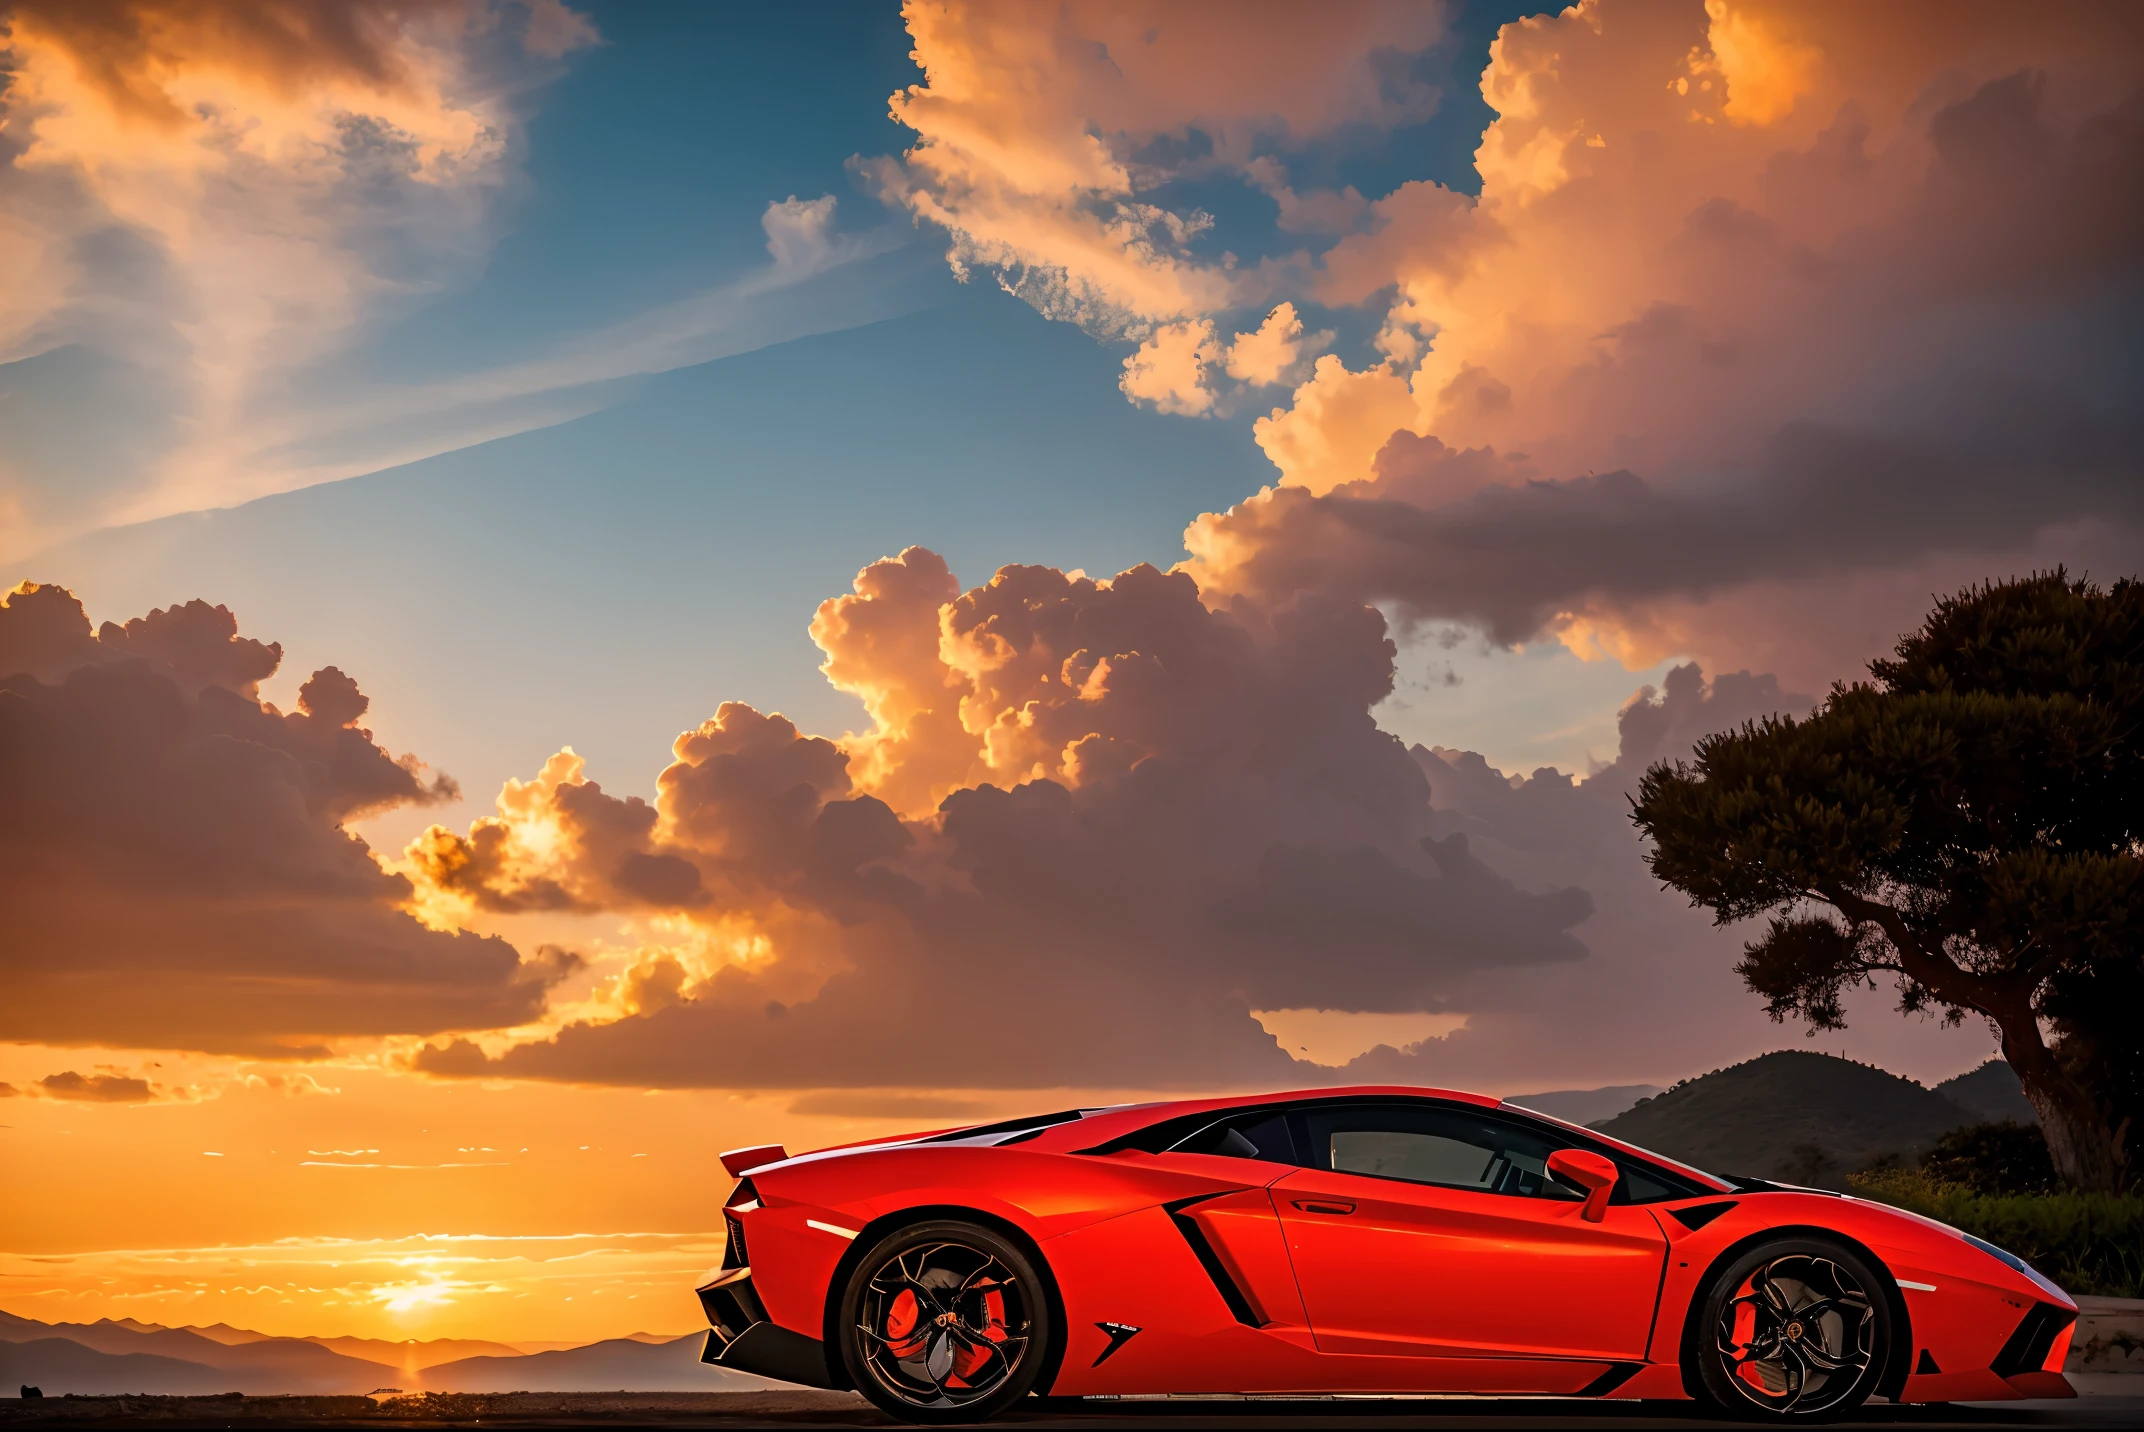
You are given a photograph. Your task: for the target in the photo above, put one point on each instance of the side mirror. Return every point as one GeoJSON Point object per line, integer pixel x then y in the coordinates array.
{"type": "Point", "coordinates": [1595, 1173]}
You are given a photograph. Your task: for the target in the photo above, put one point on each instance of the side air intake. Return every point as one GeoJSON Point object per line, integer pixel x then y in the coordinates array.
{"type": "Point", "coordinates": [1702, 1214]}
{"type": "Point", "coordinates": [1239, 1304]}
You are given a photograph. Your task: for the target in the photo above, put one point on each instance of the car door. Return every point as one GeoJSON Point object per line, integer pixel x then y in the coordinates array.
{"type": "Point", "coordinates": [1435, 1229]}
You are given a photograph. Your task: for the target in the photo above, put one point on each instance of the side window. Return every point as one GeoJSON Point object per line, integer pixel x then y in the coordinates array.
{"type": "Point", "coordinates": [1260, 1135]}
{"type": "Point", "coordinates": [1427, 1144]}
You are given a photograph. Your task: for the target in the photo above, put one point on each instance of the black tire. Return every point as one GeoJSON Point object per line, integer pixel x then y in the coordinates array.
{"type": "Point", "coordinates": [1794, 1330]}
{"type": "Point", "coordinates": [944, 1322]}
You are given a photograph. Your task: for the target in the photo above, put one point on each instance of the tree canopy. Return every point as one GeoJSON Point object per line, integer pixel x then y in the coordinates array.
{"type": "Point", "coordinates": [1966, 822]}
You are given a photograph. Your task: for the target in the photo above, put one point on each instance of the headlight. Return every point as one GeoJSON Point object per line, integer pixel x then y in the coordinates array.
{"type": "Point", "coordinates": [2010, 1260]}
{"type": "Point", "coordinates": [2000, 1255]}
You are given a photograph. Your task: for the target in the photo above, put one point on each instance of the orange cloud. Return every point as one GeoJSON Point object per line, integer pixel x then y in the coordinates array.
{"type": "Point", "coordinates": [1040, 130]}
{"type": "Point", "coordinates": [1724, 257]}
{"type": "Point", "coordinates": [1169, 370]}
{"type": "Point", "coordinates": [1267, 353]}
{"type": "Point", "coordinates": [1707, 232]}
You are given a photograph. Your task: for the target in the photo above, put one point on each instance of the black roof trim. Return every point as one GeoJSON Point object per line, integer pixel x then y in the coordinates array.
{"type": "Point", "coordinates": [1035, 1122]}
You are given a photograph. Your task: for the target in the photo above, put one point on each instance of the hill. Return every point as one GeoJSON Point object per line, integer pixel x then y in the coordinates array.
{"type": "Point", "coordinates": [619, 1365]}
{"type": "Point", "coordinates": [521, 1345]}
{"type": "Point", "coordinates": [260, 1365]}
{"type": "Point", "coordinates": [409, 1358]}
{"type": "Point", "coordinates": [1586, 1106]}
{"type": "Point", "coordinates": [1794, 1115]}
{"type": "Point", "coordinates": [1992, 1092]}
{"type": "Point", "coordinates": [126, 1356]}
{"type": "Point", "coordinates": [58, 1366]}
{"type": "Point", "coordinates": [216, 1332]}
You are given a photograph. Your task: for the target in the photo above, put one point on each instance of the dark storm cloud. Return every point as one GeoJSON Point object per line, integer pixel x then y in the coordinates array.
{"type": "Point", "coordinates": [1826, 499]}
{"type": "Point", "coordinates": [95, 1088]}
{"type": "Point", "coordinates": [173, 862]}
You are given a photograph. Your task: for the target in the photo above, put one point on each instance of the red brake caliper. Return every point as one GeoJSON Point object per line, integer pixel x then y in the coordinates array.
{"type": "Point", "coordinates": [903, 1335]}
{"type": "Point", "coordinates": [1745, 1334]}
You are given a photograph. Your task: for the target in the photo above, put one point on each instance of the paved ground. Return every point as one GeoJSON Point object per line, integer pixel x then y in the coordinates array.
{"type": "Point", "coordinates": [832, 1409]}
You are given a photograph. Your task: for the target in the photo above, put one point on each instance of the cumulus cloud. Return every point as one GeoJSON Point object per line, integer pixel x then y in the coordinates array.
{"type": "Point", "coordinates": [1169, 370]}
{"type": "Point", "coordinates": [1180, 368]}
{"type": "Point", "coordinates": [174, 863]}
{"type": "Point", "coordinates": [1270, 351]}
{"type": "Point", "coordinates": [1046, 133]}
{"type": "Point", "coordinates": [1686, 368]}
{"type": "Point", "coordinates": [219, 191]}
{"type": "Point", "coordinates": [1093, 825]}
{"type": "Point", "coordinates": [800, 233]}
{"type": "Point", "coordinates": [1339, 421]}
{"type": "Point", "coordinates": [1090, 827]}
{"type": "Point", "coordinates": [1752, 292]}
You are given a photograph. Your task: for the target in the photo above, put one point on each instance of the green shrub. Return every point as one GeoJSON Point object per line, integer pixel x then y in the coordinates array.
{"type": "Point", "coordinates": [1993, 1158]}
{"type": "Point", "coordinates": [2086, 1242]}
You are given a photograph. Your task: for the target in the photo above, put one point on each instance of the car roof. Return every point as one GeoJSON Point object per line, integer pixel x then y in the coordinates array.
{"type": "Point", "coordinates": [1089, 1128]}
{"type": "Point", "coordinates": [1101, 1125]}
{"type": "Point", "coordinates": [1079, 1130]}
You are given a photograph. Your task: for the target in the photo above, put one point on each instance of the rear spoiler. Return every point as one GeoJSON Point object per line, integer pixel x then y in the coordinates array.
{"type": "Point", "coordinates": [739, 1162]}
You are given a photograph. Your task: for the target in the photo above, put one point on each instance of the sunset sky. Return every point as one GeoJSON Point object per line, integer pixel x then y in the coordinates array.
{"type": "Point", "coordinates": [596, 591]}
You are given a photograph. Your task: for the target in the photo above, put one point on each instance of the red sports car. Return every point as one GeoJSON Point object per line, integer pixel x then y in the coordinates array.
{"type": "Point", "coordinates": [1372, 1240]}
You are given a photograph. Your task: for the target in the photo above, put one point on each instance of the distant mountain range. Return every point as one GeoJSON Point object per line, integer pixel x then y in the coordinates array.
{"type": "Point", "coordinates": [410, 1358]}
{"type": "Point", "coordinates": [1586, 1106]}
{"type": "Point", "coordinates": [619, 1365]}
{"type": "Point", "coordinates": [123, 1355]}
{"type": "Point", "coordinates": [117, 1356]}
{"type": "Point", "coordinates": [1811, 1118]}
{"type": "Point", "coordinates": [1992, 1092]}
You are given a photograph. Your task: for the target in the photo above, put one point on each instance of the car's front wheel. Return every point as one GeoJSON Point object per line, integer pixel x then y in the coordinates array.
{"type": "Point", "coordinates": [1797, 1329]}
{"type": "Point", "coordinates": [944, 1322]}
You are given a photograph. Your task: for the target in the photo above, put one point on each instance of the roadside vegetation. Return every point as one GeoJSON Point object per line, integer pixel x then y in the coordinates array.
{"type": "Point", "coordinates": [1995, 1181]}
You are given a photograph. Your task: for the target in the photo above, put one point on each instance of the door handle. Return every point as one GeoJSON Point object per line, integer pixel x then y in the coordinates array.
{"type": "Point", "coordinates": [1324, 1205]}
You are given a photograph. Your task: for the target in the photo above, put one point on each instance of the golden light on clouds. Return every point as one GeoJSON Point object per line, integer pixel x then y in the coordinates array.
{"type": "Point", "coordinates": [1764, 71]}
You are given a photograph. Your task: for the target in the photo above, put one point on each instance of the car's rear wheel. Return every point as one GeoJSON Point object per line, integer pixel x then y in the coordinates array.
{"type": "Point", "coordinates": [944, 1322]}
{"type": "Point", "coordinates": [1797, 1329]}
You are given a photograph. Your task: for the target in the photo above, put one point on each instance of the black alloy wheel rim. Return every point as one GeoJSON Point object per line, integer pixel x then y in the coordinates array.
{"type": "Point", "coordinates": [1798, 1335]}
{"type": "Point", "coordinates": [943, 1324]}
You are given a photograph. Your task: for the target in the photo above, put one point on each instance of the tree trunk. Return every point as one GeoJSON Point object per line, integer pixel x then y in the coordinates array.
{"type": "Point", "coordinates": [2079, 1142]}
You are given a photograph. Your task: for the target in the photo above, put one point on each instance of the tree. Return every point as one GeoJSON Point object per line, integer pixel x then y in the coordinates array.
{"type": "Point", "coordinates": [1967, 822]}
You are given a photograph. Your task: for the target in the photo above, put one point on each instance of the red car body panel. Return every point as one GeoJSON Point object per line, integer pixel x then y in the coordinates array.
{"type": "Point", "coordinates": [1244, 1275]}
{"type": "Point", "coordinates": [1415, 1269]}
